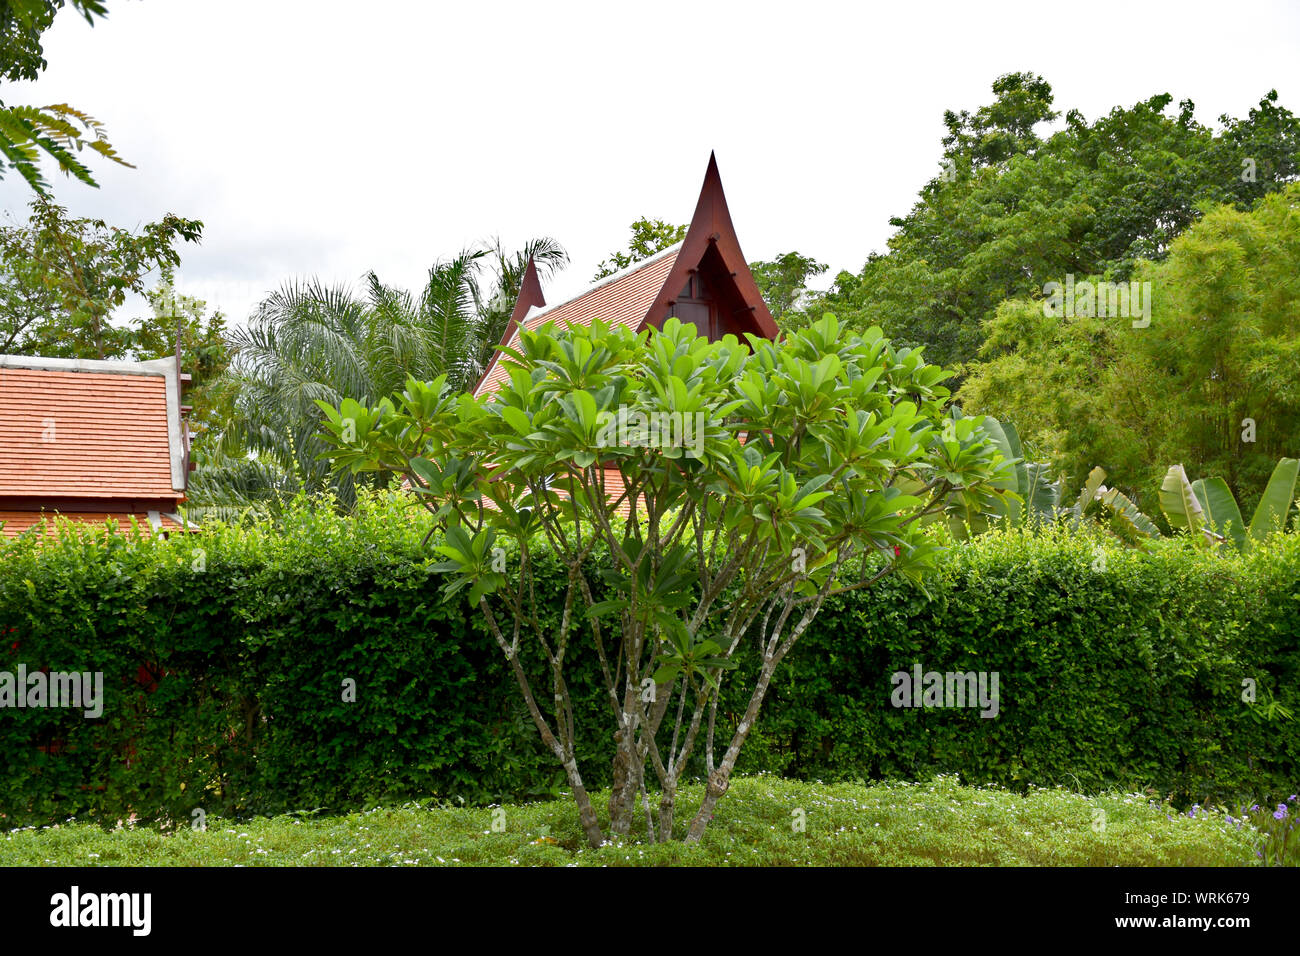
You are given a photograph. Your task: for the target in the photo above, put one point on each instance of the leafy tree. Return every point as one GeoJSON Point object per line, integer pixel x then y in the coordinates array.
{"type": "Point", "coordinates": [784, 282]}
{"type": "Point", "coordinates": [789, 490]}
{"type": "Point", "coordinates": [306, 342]}
{"type": "Point", "coordinates": [23, 22]}
{"type": "Point", "coordinates": [56, 130]}
{"type": "Point", "coordinates": [649, 236]}
{"type": "Point", "coordinates": [61, 279]}
{"type": "Point", "coordinates": [1005, 128]}
{"type": "Point", "coordinates": [1210, 382]}
{"type": "Point", "coordinates": [1010, 210]}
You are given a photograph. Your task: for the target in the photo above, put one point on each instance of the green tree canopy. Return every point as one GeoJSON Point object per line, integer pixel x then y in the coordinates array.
{"type": "Point", "coordinates": [1210, 383]}
{"type": "Point", "coordinates": [205, 352]}
{"type": "Point", "coordinates": [59, 131]}
{"type": "Point", "coordinates": [648, 237]}
{"type": "Point", "coordinates": [1010, 210]}
{"type": "Point", "coordinates": [62, 278]}
{"type": "Point", "coordinates": [783, 281]}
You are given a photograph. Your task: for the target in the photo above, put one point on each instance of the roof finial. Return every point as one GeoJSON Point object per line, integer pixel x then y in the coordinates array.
{"type": "Point", "coordinates": [530, 294]}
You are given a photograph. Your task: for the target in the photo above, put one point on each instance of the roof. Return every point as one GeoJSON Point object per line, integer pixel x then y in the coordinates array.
{"type": "Point", "coordinates": [623, 299]}
{"type": "Point", "coordinates": [77, 428]}
{"type": "Point", "coordinates": [644, 294]}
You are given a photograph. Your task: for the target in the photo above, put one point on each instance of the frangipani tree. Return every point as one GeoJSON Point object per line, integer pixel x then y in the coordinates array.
{"type": "Point", "coordinates": [705, 497]}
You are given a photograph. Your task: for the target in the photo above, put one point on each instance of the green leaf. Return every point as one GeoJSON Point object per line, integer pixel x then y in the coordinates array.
{"type": "Point", "coordinates": [1089, 492]}
{"type": "Point", "coordinates": [666, 673]}
{"type": "Point", "coordinates": [1221, 509]}
{"type": "Point", "coordinates": [1279, 495]}
{"type": "Point", "coordinates": [426, 471]}
{"type": "Point", "coordinates": [586, 406]}
{"type": "Point", "coordinates": [517, 420]}
{"type": "Point", "coordinates": [1179, 502]}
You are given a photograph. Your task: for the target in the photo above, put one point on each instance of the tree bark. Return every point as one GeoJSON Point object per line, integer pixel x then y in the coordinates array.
{"type": "Point", "coordinates": [586, 812]}
{"type": "Point", "coordinates": [720, 779]}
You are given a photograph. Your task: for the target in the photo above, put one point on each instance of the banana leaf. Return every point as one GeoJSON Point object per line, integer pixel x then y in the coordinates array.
{"type": "Point", "coordinates": [1271, 514]}
{"type": "Point", "coordinates": [1181, 506]}
{"type": "Point", "coordinates": [1221, 510]}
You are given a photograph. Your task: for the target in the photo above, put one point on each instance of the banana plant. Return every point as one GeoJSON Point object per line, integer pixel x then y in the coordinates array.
{"type": "Point", "coordinates": [1030, 499]}
{"type": "Point", "coordinates": [1125, 514]}
{"type": "Point", "coordinates": [1207, 510]}
{"type": "Point", "coordinates": [1035, 497]}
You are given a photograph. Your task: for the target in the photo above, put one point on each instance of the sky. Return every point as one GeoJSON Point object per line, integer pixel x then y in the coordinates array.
{"type": "Point", "coordinates": [323, 140]}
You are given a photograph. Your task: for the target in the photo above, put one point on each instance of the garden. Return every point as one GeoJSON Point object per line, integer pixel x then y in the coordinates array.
{"type": "Point", "coordinates": [984, 554]}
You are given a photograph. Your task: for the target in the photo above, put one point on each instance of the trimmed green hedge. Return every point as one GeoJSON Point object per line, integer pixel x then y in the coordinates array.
{"type": "Point", "coordinates": [225, 657]}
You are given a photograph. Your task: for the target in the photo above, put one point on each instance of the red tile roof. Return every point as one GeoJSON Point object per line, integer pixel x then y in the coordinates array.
{"type": "Point", "coordinates": [622, 299]}
{"type": "Point", "coordinates": [84, 434]}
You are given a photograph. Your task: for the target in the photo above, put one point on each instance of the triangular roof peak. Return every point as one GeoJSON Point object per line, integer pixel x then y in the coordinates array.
{"type": "Point", "coordinates": [711, 228]}
{"type": "Point", "coordinates": [704, 279]}
{"type": "Point", "coordinates": [530, 296]}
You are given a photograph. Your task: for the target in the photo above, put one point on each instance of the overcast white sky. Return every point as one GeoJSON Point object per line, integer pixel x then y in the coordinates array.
{"type": "Point", "coordinates": [328, 138]}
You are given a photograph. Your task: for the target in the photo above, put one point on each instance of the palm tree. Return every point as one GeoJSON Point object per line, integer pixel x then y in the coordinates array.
{"type": "Point", "coordinates": [310, 341]}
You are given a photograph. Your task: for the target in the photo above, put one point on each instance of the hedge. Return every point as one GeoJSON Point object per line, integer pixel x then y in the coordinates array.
{"type": "Point", "coordinates": [225, 657]}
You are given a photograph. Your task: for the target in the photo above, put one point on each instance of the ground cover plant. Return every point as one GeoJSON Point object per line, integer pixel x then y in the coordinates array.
{"type": "Point", "coordinates": [768, 821]}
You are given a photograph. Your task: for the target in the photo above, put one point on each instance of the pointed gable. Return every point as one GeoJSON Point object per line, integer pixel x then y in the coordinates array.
{"type": "Point", "coordinates": [530, 297]}
{"type": "Point", "coordinates": [704, 280]}
{"type": "Point", "coordinates": [710, 283]}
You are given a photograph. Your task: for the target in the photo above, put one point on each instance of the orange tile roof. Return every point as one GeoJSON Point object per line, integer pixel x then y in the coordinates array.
{"type": "Point", "coordinates": [622, 299]}
{"type": "Point", "coordinates": [16, 522]}
{"type": "Point", "coordinates": [84, 434]}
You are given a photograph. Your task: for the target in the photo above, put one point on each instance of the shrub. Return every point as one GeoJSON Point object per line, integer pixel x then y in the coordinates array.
{"type": "Point", "coordinates": [224, 656]}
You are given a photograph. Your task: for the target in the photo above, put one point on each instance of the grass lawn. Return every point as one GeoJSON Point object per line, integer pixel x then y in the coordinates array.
{"type": "Point", "coordinates": [937, 823]}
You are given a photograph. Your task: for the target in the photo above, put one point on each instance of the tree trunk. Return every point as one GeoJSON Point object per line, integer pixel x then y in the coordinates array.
{"type": "Point", "coordinates": [586, 812]}
{"type": "Point", "coordinates": [626, 785]}
{"type": "Point", "coordinates": [667, 806]}
{"type": "Point", "coordinates": [720, 779]}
